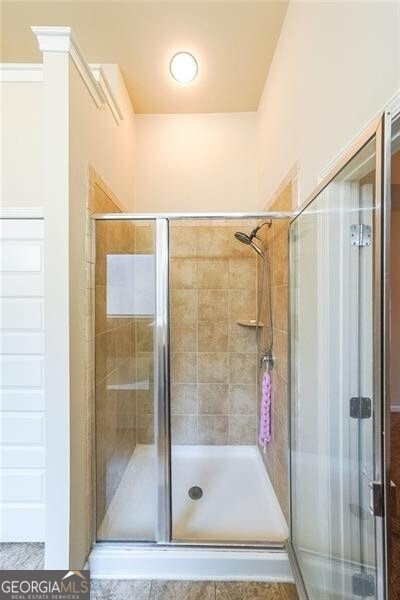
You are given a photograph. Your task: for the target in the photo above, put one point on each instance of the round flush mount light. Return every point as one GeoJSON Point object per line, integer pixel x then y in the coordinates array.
{"type": "Point", "coordinates": [183, 67]}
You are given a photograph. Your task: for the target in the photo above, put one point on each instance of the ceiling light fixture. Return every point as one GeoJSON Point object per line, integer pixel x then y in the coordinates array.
{"type": "Point", "coordinates": [183, 67]}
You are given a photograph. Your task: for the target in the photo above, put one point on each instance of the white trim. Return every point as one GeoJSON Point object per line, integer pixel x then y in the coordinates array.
{"type": "Point", "coordinates": [60, 39]}
{"type": "Point", "coordinates": [21, 73]}
{"type": "Point", "coordinates": [20, 212]}
{"type": "Point", "coordinates": [103, 82]}
{"type": "Point", "coordinates": [395, 408]}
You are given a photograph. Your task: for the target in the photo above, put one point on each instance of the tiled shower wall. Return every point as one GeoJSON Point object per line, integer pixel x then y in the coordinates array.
{"type": "Point", "coordinates": [100, 199]}
{"type": "Point", "coordinates": [124, 357]}
{"type": "Point", "coordinates": [275, 239]}
{"type": "Point", "coordinates": [213, 359]}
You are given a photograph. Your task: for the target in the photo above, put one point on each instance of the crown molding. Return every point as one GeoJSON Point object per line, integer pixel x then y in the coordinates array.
{"type": "Point", "coordinates": [60, 39]}
{"type": "Point", "coordinates": [21, 73]}
{"type": "Point", "coordinates": [108, 94]}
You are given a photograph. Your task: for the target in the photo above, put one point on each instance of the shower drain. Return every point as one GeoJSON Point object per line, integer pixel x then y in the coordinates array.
{"type": "Point", "coordinates": [195, 492]}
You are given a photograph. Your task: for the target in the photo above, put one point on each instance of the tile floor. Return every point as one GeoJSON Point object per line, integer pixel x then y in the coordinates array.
{"type": "Point", "coordinates": [30, 556]}
{"type": "Point", "coordinates": [190, 590]}
{"type": "Point", "coordinates": [21, 556]}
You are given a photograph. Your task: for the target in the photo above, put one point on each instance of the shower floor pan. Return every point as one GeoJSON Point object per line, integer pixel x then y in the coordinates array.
{"type": "Point", "coordinates": [237, 505]}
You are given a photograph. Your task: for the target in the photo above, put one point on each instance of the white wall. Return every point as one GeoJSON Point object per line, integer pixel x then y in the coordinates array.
{"type": "Point", "coordinates": [21, 143]}
{"type": "Point", "coordinates": [197, 162]}
{"type": "Point", "coordinates": [335, 66]}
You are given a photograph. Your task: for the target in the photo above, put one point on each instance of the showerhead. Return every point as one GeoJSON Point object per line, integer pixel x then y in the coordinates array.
{"type": "Point", "coordinates": [243, 237]}
{"type": "Point", "coordinates": [248, 240]}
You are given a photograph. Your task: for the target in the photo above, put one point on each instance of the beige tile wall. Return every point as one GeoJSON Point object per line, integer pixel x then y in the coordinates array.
{"type": "Point", "coordinates": [144, 244]}
{"type": "Point", "coordinates": [115, 344]}
{"type": "Point", "coordinates": [276, 240]}
{"type": "Point", "coordinates": [124, 355]}
{"type": "Point", "coordinates": [100, 199]}
{"type": "Point", "coordinates": [123, 351]}
{"type": "Point", "coordinates": [213, 359]}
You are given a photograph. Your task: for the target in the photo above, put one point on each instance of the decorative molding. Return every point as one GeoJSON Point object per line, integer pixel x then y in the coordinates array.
{"type": "Point", "coordinates": [395, 408]}
{"type": "Point", "coordinates": [21, 73]}
{"type": "Point", "coordinates": [60, 39]}
{"type": "Point", "coordinates": [21, 212]}
{"type": "Point", "coordinates": [53, 39]}
{"type": "Point", "coordinates": [108, 94]}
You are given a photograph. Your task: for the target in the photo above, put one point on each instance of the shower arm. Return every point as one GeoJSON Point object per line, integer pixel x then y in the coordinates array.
{"type": "Point", "coordinates": [253, 234]}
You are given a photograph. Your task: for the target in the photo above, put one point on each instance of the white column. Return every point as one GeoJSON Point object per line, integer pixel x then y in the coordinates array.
{"type": "Point", "coordinates": [55, 46]}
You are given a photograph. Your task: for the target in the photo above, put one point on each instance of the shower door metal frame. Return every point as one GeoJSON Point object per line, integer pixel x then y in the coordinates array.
{"type": "Point", "coordinates": [391, 115]}
{"type": "Point", "coordinates": [380, 129]}
{"type": "Point", "coordinates": [162, 382]}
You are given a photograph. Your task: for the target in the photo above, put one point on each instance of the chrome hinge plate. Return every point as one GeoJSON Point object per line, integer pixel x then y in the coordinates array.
{"type": "Point", "coordinates": [360, 235]}
{"type": "Point", "coordinates": [377, 501]}
{"type": "Point", "coordinates": [363, 585]}
{"type": "Point", "coordinates": [360, 408]}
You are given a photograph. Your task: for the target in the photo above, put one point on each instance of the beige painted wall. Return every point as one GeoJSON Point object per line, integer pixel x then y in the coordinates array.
{"type": "Point", "coordinates": [21, 144]}
{"type": "Point", "coordinates": [198, 162]}
{"type": "Point", "coordinates": [335, 67]}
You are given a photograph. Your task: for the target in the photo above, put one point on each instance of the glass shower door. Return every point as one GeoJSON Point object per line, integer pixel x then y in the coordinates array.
{"type": "Point", "coordinates": [130, 332]}
{"type": "Point", "coordinates": [336, 522]}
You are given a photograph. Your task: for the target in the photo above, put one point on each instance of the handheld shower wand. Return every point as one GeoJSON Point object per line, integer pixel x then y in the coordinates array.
{"type": "Point", "coordinates": [248, 239]}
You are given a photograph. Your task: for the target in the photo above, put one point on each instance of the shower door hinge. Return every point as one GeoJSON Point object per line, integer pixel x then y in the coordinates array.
{"type": "Point", "coordinates": [363, 585]}
{"type": "Point", "coordinates": [360, 408]}
{"type": "Point", "coordinates": [360, 235]}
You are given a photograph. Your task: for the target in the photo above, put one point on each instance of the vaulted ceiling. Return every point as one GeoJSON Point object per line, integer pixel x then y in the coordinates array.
{"type": "Point", "coordinates": [233, 41]}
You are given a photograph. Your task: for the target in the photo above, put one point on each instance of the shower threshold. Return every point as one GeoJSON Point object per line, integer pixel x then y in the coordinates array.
{"type": "Point", "coordinates": [135, 561]}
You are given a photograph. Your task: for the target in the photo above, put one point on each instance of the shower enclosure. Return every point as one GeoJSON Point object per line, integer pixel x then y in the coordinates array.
{"type": "Point", "coordinates": [177, 382]}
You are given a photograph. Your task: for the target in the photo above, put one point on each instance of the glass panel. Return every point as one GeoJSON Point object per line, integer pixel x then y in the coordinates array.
{"type": "Point", "coordinates": [126, 468]}
{"type": "Point", "coordinates": [333, 530]}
